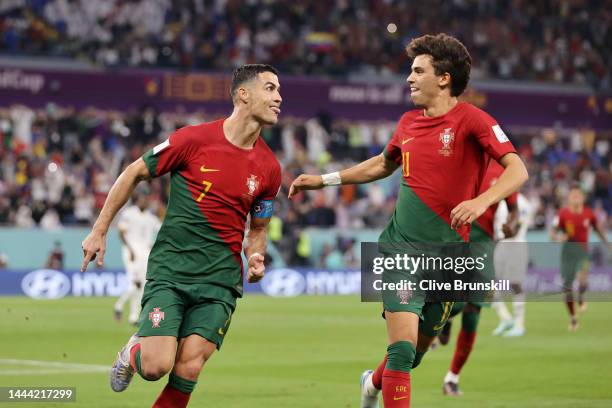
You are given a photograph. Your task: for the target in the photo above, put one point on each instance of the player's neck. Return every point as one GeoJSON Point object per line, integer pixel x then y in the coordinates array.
{"type": "Point", "coordinates": [440, 106]}
{"type": "Point", "coordinates": [576, 209]}
{"type": "Point", "coordinates": [241, 130]}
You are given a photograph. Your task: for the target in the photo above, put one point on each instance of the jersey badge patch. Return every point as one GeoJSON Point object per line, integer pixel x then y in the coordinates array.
{"type": "Point", "coordinates": [447, 138]}
{"type": "Point", "coordinates": [156, 316]}
{"type": "Point", "coordinates": [252, 183]}
{"type": "Point", "coordinates": [404, 296]}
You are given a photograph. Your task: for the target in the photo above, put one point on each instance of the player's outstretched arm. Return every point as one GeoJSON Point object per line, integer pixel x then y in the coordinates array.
{"type": "Point", "coordinates": [95, 243]}
{"type": "Point", "coordinates": [373, 169]}
{"type": "Point", "coordinates": [257, 239]}
{"type": "Point", "coordinates": [514, 176]}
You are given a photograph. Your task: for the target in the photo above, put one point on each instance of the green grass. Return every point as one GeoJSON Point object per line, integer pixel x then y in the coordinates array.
{"type": "Point", "coordinates": [308, 352]}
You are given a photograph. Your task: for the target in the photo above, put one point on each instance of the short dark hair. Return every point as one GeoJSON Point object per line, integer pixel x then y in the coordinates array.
{"type": "Point", "coordinates": [448, 54]}
{"type": "Point", "coordinates": [247, 72]}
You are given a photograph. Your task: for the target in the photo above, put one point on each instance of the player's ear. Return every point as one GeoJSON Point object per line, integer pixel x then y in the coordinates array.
{"type": "Point", "coordinates": [242, 94]}
{"type": "Point", "coordinates": [444, 80]}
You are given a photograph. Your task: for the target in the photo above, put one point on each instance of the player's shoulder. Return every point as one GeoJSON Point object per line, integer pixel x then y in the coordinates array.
{"type": "Point", "coordinates": [267, 156]}
{"type": "Point", "coordinates": [588, 211]}
{"type": "Point", "coordinates": [468, 110]}
{"type": "Point", "coordinates": [197, 133]}
{"type": "Point", "coordinates": [409, 116]}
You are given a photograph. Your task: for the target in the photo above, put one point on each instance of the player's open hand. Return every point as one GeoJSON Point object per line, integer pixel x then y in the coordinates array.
{"type": "Point", "coordinates": [466, 212]}
{"type": "Point", "coordinates": [256, 267]}
{"type": "Point", "coordinates": [305, 182]}
{"type": "Point", "coordinates": [93, 245]}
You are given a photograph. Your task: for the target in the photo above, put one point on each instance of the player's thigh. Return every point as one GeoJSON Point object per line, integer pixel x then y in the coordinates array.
{"type": "Point", "coordinates": [210, 319]}
{"type": "Point", "coordinates": [402, 326]}
{"type": "Point", "coordinates": [157, 355]}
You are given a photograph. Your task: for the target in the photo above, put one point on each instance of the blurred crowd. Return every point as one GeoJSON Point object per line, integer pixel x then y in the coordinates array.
{"type": "Point", "coordinates": [58, 164]}
{"type": "Point", "coordinates": [564, 41]}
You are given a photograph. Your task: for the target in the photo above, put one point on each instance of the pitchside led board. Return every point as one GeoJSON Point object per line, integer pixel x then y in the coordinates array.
{"type": "Point", "coordinates": [441, 273]}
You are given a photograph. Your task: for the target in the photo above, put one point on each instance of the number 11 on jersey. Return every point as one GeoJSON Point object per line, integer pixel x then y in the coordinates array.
{"type": "Point", "coordinates": [406, 164]}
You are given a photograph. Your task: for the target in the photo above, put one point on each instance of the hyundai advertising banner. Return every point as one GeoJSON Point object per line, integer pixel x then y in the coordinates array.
{"type": "Point", "coordinates": [279, 282]}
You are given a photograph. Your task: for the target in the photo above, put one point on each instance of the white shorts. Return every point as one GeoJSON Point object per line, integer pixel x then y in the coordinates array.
{"type": "Point", "coordinates": [136, 270]}
{"type": "Point", "coordinates": [511, 261]}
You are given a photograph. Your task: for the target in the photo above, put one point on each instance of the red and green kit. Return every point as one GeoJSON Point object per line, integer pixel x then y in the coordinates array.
{"type": "Point", "coordinates": [443, 161]}
{"type": "Point", "coordinates": [214, 185]}
{"type": "Point", "coordinates": [574, 253]}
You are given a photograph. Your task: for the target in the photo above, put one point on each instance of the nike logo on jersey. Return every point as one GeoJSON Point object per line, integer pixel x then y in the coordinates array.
{"type": "Point", "coordinates": [407, 140]}
{"type": "Point", "coordinates": [203, 169]}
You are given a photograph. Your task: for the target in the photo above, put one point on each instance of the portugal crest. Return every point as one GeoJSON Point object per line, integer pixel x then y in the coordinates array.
{"type": "Point", "coordinates": [156, 316]}
{"type": "Point", "coordinates": [404, 296]}
{"type": "Point", "coordinates": [447, 138]}
{"type": "Point", "coordinates": [252, 183]}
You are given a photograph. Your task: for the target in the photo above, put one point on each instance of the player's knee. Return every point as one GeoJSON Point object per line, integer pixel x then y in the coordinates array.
{"type": "Point", "coordinates": [471, 316]}
{"type": "Point", "coordinates": [189, 369]}
{"type": "Point", "coordinates": [401, 356]}
{"type": "Point", "coordinates": [154, 369]}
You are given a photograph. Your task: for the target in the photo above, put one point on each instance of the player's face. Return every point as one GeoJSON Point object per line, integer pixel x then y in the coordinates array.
{"type": "Point", "coordinates": [423, 81]}
{"type": "Point", "coordinates": [575, 198]}
{"type": "Point", "coordinates": [266, 99]}
{"type": "Point", "coordinates": [142, 202]}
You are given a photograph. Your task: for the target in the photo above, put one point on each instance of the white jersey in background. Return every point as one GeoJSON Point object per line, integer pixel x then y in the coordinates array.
{"type": "Point", "coordinates": [511, 263]}
{"type": "Point", "coordinates": [512, 254]}
{"type": "Point", "coordinates": [525, 219]}
{"type": "Point", "coordinates": [140, 230]}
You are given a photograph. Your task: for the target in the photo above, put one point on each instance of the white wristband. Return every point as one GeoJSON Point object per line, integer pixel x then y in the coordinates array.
{"type": "Point", "coordinates": [331, 179]}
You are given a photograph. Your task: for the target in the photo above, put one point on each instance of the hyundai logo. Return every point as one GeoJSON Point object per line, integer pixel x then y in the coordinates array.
{"type": "Point", "coordinates": [283, 283]}
{"type": "Point", "coordinates": [45, 284]}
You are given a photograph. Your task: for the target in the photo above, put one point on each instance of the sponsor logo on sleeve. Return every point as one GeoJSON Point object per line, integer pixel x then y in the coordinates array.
{"type": "Point", "coordinates": [161, 146]}
{"type": "Point", "coordinates": [500, 135]}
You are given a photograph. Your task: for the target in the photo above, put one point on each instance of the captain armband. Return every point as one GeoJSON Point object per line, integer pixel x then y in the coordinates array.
{"type": "Point", "coordinates": [263, 209]}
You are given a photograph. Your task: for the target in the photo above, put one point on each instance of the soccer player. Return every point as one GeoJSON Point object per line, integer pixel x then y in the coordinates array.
{"type": "Point", "coordinates": [511, 263]}
{"type": "Point", "coordinates": [483, 235]}
{"type": "Point", "coordinates": [221, 172]}
{"type": "Point", "coordinates": [137, 230]}
{"type": "Point", "coordinates": [443, 149]}
{"type": "Point", "coordinates": [572, 227]}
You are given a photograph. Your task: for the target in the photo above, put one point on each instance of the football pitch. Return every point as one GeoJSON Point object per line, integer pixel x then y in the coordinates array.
{"type": "Point", "coordinates": [309, 352]}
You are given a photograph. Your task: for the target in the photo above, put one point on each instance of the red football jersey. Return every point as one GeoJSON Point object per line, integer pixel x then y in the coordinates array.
{"type": "Point", "coordinates": [214, 186]}
{"type": "Point", "coordinates": [486, 220]}
{"type": "Point", "coordinates": [443, 162]}
{"type": "Point", "coordinates": [577, 225]}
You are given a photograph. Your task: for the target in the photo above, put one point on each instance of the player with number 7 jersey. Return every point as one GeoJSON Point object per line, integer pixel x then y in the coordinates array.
{"type": "Point", "coordinates": [220, 172]}
{"type": "Point", "coordinates": [213, 187]}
